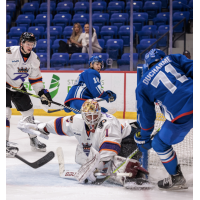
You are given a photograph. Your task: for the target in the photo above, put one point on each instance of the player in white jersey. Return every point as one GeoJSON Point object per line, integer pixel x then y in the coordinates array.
{"type": "Point", "coordinates": [99, 135]}
{"type": "Point", "coordinates": [22, 62]}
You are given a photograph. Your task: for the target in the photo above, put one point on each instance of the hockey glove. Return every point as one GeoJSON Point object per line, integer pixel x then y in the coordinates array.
{"type": "Point", "coordinates": [112, 96]}
{"type": "Point", "coordinates": [46, 97]}
{"type": "Point", "coordinates": [143, 143]}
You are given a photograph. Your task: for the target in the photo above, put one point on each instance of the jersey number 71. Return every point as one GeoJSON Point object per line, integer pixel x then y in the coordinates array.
{"type": "Point", "coordinates": [161, 76]}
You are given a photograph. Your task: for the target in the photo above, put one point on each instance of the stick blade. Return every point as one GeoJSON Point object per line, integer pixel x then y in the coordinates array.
{"type": "Point", "coordinates": [42, 161]}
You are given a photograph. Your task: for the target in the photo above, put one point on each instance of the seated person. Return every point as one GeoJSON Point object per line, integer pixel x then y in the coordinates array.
{"type": "Point", "coordinates": [72, 45]}
{"type": "Point", "coordinates": [84, 38]}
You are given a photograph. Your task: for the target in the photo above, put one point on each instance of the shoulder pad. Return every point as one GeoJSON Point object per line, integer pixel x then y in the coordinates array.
{"type": "Point", "coordinates": [8, 50]}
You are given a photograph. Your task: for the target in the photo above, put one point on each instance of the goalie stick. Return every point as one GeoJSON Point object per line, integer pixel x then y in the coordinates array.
{"type": "Point", "coordinates": [70, 174]}
{"type": "Point", "coordinates": [42, 161]}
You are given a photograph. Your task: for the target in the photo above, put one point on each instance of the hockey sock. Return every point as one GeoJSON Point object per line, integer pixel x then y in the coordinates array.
{"type": "Point", "coordinates": [169, 160]}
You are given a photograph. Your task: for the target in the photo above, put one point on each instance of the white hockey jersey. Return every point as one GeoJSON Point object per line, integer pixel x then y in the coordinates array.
{"type": "Point", "coordinates": [106, 139]}
{"type": "Point", "coordinates": [18, 69]}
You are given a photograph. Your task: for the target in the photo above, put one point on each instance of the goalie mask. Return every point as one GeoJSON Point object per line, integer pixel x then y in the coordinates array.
{"type": "Point", "coordinates": [91, 113]}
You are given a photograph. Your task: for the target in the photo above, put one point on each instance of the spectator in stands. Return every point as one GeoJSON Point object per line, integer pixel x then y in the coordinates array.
{"type": "Point", "coordinates": [72, 45]}
{"type": "Point", "coordinates": [84, 38]}
{"type": "Point", "coordinates": [187, 54]}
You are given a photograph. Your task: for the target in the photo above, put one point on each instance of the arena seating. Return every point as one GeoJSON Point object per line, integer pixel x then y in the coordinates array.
{"type": "Point", "coordinates": [59, 60]}
{"type": "Point", "coordinates": [56, 45]}
{"type": "Point", "coordinates": [38, 31]}
{"type": "Point", "coordinates": [162, 30]}
{"type": "Point", "coordinates": [124, 34]}
{"type": "Point", "coordinates": [62, 20]}
{"type": "Point", "coordinates": [110, 19]}
{"type": "Point", "coordinates": [11, 42]}
{"type": "Point", "coordinates": [43, 59]}
{"type": "Point", "coordinates": [78, 60]}
{"type": "Point", "coordinates": [147, 32]}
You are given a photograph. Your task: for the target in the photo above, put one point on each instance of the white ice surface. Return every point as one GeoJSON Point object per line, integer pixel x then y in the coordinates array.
{"type": "Point", "coordinates": [26, 183]}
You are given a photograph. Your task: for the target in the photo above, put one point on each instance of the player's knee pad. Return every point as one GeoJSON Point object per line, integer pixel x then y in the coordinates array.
{"type": "Point", "coordinates": [27, 113]}
{"type": "Point", "coordinates": [158, 145]}
{"type": "Point", "coordinates": [8, 113]}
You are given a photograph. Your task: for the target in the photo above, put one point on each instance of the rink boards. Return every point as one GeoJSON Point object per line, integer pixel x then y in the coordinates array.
{"type": "Point", "coordinates": [59, 83]}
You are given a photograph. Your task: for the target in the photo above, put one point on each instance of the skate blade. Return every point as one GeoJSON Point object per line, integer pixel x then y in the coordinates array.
{"type": "Point", "coordinates": [135, 186]}
{"type": "Point", "coordinates": [38, 150]}
{"type": "Point", "coordinates": [176, 187]}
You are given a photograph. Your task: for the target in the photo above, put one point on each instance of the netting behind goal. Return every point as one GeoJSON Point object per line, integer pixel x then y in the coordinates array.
{"type": "Point", "coordinates": [184, 149]}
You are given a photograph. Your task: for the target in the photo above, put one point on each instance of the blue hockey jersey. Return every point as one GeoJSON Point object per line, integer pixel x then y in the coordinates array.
{"type": "Point", "coordinates": [87, 86]}
{"type": "Point", "coordinates": [168, 83]}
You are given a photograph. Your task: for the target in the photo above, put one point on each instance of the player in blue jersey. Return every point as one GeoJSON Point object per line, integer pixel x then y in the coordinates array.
{"type": "Point", "coordinates": [167, 81]}
{"type": "Point", "coordinates": [88, 86]}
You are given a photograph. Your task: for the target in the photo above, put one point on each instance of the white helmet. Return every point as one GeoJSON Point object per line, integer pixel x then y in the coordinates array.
{"type": "Point", "coordinates": [91, 113]}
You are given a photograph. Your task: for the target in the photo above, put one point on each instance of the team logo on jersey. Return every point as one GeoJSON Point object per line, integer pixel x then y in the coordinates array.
{"type": "Point", "coordinates": [102, 123]}
{"type": "Point", "coordinates": [21, 76]}
{"type": "Point", "coordinates": [23, 69]}
{"type": "Point", "coordinates": [86, 148]}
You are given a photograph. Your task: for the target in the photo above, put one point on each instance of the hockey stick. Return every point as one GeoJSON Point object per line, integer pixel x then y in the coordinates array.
{"type": "Point", "coordinates": [36, 96]}
{"type": "Point", "coordinates": [70, 174]}
{"type": "Point", "coordinates": [49, 111]}
{"type": "Point", "coordinates": [42, 161]}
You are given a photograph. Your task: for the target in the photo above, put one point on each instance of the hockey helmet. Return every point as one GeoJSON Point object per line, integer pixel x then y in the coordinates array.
{"type": "Point", "coordinates": [26, 36]}
{"type": "Point", "coordinates": [94, 59]}
{"type": "Point", "coordinates": [153, 55]}
{"type": "Point", "coordinates": [91, 112]}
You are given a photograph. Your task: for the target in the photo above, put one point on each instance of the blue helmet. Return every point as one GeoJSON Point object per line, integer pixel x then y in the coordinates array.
{"type": "Point", "coordinates": [153, 55]}
{"type": "Point", "coordinates": [94, 59]}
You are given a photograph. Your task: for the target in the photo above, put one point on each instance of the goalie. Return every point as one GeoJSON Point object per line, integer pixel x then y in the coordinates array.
{"type": "Point", "coordinates": [103, 141]}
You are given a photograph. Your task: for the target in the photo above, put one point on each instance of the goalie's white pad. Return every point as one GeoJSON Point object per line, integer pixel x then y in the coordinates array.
{"type": "Point", "coordinates": [131, 166]}
{"type": "Point", "coordinates": [89, 166]}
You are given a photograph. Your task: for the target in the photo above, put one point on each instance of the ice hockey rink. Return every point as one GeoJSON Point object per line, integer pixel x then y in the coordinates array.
{"type": "Point", "coordinates": [44, 183]}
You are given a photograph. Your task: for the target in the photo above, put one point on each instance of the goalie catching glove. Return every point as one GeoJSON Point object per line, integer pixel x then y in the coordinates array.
{"type": "Point", "coordinates": [46, 97]}
{"type": "Point", "coordinates": [143, 142]}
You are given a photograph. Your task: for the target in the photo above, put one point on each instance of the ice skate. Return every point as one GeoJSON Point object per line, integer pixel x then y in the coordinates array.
{"type": "Point", "coordinates": [10, 150]}
{"type": "Point", "coordinates": [176, 181]}
{"type": "Point", "coordinates": [37, 145]}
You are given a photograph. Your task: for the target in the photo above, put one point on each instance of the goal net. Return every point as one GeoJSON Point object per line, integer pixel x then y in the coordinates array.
{"type": "Point", "coordinates": [184, 149]}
